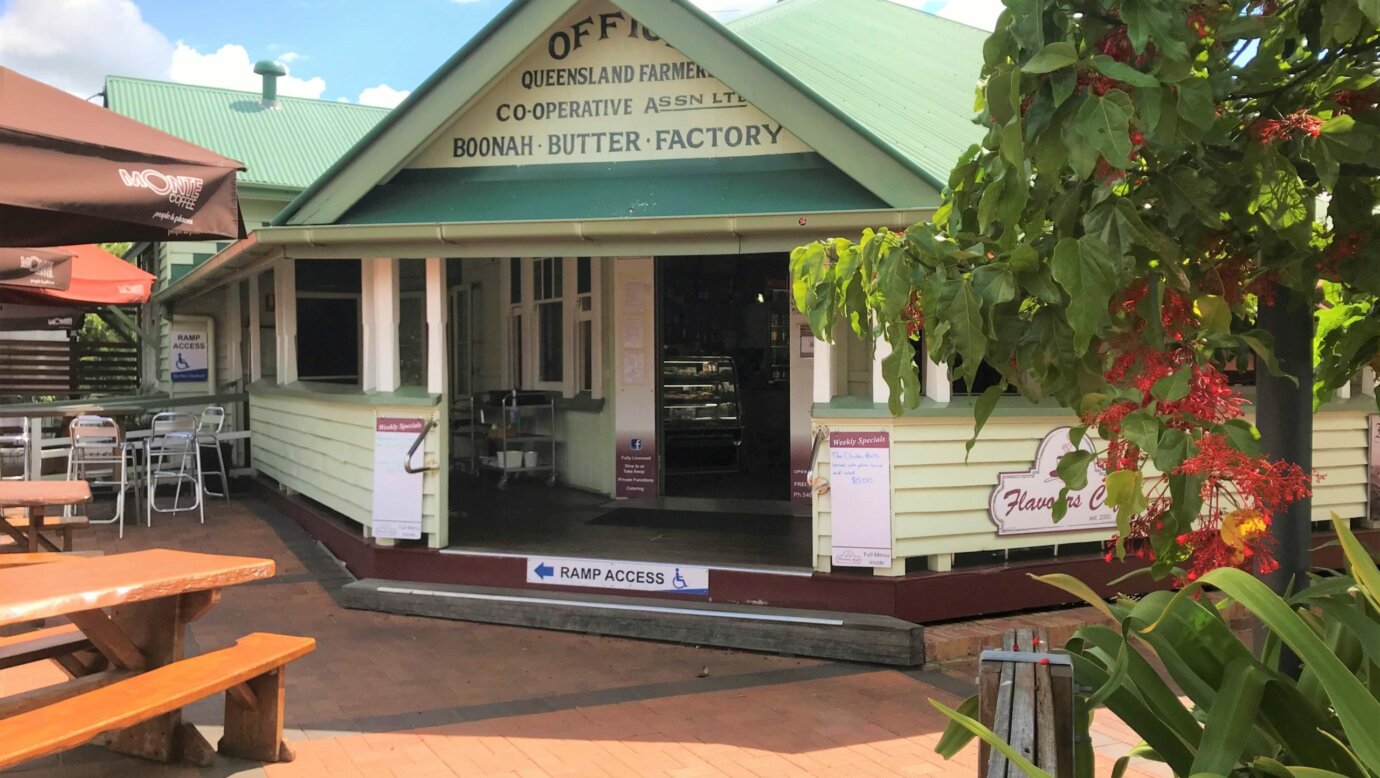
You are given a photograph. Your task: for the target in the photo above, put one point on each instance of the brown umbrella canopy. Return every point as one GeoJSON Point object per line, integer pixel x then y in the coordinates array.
{"type": "Point", "coordinates": [31, 268]}
{"type": "Point", "coordinates": [74, 172]}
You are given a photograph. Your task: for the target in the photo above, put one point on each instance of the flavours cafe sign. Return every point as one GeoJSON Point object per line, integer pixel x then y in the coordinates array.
{"type": "Point", "coordinates": [1023, 502]}
{"type": "Point", "coordinates": [601, 87]}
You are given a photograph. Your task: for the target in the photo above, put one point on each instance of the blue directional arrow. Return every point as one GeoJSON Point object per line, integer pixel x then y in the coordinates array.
{"type": "Point", "coordinates": [543, 570]}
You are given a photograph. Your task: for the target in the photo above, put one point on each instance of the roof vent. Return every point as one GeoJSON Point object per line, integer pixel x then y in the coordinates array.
{"type": "Point", "coordinates": [271, 71]}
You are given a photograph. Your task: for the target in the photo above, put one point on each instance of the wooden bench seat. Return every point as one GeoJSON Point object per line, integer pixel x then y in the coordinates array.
{"type": "Point", "coordinates": [250, 672]}
{"type": "Point", "coordinates": [64, 526]}
{"type": "Point", "coordinates": [1025, 696]}
{"type": "Point", "coordinates": [48, 643]}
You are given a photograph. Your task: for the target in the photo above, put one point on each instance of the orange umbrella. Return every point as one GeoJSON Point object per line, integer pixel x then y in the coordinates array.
{"type": "Point", "coordinates": [98, 278]}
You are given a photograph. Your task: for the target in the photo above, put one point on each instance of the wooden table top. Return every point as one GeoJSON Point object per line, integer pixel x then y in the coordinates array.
{"type": "Point", "coordinates": [40, 591]}
{"type": "Point", "coordinates": [35, 494]}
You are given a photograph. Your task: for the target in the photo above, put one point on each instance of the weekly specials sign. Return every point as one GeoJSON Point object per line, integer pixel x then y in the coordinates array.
{"type": "Point", "coordinates": [601, 87]}
{"type": "Point", "coordinates": [1023, 502]}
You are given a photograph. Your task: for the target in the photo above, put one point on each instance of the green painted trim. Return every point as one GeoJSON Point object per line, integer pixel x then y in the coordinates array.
{"type": "Point", "coordinates": [435, 84]}
{"type": "Point", "coordinates": [787, 183]}
{"type": "Point", "coordinates": [897, 181]}
{"type": "Point", "coordinates": [405, 397]}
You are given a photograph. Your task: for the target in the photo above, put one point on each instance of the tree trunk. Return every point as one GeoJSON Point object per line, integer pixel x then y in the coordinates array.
{"type": "Point", "coordinates": [1284, 416]}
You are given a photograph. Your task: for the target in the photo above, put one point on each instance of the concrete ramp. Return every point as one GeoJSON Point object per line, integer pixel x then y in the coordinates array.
{"type": "Point", "coordinates": [824, 634]}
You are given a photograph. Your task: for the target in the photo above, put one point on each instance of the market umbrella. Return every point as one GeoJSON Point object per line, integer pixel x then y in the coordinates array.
{"type": "Point", "coordinates": [74, 171]}
{"type": "Point", "coordinates": [18, 312]}
{"type": "Point", "coordinates": [36, 268]}
{"type": "Point", "coordinates": [97, 278]}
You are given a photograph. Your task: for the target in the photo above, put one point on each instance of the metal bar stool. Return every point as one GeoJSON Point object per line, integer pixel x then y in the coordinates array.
{"type": "Point", "coordinates": [208, 429]}
{"type": "Point", "coordinates": [99, 456]}
{"type": "Point", "coordinates": [171, 454]}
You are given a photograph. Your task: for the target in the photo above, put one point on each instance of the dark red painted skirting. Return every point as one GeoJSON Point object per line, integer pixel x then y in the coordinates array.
{"type": "Point", "coordinates": [921, 597]}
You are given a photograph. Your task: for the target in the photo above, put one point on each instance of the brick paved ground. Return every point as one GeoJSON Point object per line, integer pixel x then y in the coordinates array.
{"type": "Point", "coordinates": [401, 696]}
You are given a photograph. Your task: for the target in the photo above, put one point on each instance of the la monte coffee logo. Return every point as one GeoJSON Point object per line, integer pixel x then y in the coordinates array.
{"type": "Point", "coordinates": [1023, 502]}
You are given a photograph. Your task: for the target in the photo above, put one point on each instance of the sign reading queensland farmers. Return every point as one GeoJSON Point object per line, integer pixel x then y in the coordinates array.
{"type": "Point", "coordinates": [1023, 502]}
{"type": "Point", "coordinates": [602, 87]}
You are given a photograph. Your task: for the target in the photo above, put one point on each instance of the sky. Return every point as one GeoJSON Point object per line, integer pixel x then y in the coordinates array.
{"type": "Point", "coordinates": [362, 51]}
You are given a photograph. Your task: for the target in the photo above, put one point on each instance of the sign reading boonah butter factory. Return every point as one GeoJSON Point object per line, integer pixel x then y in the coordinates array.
{"type": "Point", "coordinates": [601, 87]}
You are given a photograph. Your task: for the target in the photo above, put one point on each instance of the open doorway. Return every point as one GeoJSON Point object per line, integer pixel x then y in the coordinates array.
{"type": "Point", "coordinates": [724, 393]}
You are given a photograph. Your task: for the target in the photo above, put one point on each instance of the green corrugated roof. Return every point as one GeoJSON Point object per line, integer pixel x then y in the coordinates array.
{"type": "Point", "coordinates": [285, 147]}
{"type": "Point", "coordinates": [905, 75]}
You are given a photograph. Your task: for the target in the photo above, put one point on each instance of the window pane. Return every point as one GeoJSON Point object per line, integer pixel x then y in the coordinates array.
{"type": "Point", "coordinates": [328, 339]}
{"type": "Point", "coordinates": [412, 340]}
{"type": "Point", "coordinates": [582, 276]}
{"type": "Point", "coordinates": [515, 352]}
{"type": "Point", "coordinates": [558, 283]}
{"type": "Point", "coordinates": [586, 352]}
{"type": "Point", "coordinates": [514, 281]}
{"type": "Point", "coordinates": [549, 367]}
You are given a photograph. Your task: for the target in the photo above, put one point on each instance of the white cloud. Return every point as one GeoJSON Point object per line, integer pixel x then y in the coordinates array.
{"type": "Point", "coordinates": [724, 10]}
{"type": "Point", "coordinates": [75, 44]}
{"type": "Point", "coordinates": [974, 13]}
{"type": "Point", "coordinates": [289, 57]}
{"type": "Point", "coordinates": [383, 96]}
{"type": "Point", "coordinates": [230, 67]}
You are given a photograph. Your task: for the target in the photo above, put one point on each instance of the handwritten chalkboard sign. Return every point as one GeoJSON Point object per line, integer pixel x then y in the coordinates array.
{"type": "Point", "coordinates": [860, 490]}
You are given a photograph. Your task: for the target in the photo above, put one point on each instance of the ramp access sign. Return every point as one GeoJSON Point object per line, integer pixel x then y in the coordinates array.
{"type": "Point", "coordinates": [616, 574]}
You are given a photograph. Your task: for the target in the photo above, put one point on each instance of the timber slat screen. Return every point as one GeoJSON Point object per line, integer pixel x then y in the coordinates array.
{"type": "Point", "coordinates": [60, 368]}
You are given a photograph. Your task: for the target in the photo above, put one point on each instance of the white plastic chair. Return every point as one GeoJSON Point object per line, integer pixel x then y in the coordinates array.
{"type": "Point", "coordinates": [171, 454]}
{"type": "Point", "coordinates": [99, 456]}
{"type": "Point", "coordinates": [14, 449]}
{"type": "Point", "coordinates": [208, 429]}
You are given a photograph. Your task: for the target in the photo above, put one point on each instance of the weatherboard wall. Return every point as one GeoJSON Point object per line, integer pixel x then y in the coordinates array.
{"type": "Point", "coordinates": [940, 504]}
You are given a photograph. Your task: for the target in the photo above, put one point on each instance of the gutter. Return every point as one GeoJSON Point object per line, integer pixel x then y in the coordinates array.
{"type": "Point", "coordinates": [239, 255]}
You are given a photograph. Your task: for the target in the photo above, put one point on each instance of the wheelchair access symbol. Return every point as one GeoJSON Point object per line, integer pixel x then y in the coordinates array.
{"type": "Point", "coordinates": [679, 582]}
{"type": "Point", "coordinates": [181, 362]}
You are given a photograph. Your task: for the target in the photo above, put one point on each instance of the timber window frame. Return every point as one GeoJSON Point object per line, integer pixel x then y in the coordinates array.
{"type": "Point", "coordinates": [554, 333]}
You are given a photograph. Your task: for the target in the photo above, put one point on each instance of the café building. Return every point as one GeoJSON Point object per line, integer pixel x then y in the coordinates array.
{"type": "Point", "coordinates": [533, 333]}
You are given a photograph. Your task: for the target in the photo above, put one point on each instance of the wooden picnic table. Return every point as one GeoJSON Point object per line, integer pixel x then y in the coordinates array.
{"type": "Point", "coordinates": [35, 497]}
{"type": "Point", "coordinates": [129, 613]}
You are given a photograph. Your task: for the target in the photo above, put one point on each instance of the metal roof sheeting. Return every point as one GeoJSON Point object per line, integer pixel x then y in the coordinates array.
{"type": "Point", "coordinates": [907, 76]}
{"type": "Point", "coordinates": [284, 147]}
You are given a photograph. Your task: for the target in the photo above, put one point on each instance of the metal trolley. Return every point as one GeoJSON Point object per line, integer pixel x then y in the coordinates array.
{"type": "Point", "coordinates": [519, 434]}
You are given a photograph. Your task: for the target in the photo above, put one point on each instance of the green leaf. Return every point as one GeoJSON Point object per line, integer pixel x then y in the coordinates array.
{"type": "Point", "coordinates": [902, 380]}
{"type": "Point", "coordinates": [1013, 143]}
{"type": "Point", "coordinates": [990, 202]}
{"type": "Point", "coordinates": [1363, 568]}
{"type": "Point", "coordinates": [1355, 706]}
{"type": "Point", "coordinates": [1123, 72]}
{"type": "Point", "coordinates": [1105, 123]}
{"type": "Point", "coordinates": [1195, 103]}
{"type": "Point", "coordinates": [963, 313]}
{"type": "Point", "coordinates": [1263, 344]}
{"type": "Point", "coordinates": [990, 738]}
{"type": "Point", "coordinates": [982, 410]}
{"type": "Point", "coordinates": [1214, 313]}
{"type": "Point", "coordinates": [994, 284]}
{"type": "Point", "coordinates": [1052, 57]}
{"type": "Point", "coordinates": [1024, 258]}
{"type": "Point", "coordinates": [1171, 451]}
{"type": "Point", "coordinates": [1086, 272]}
{"type": "Point", "coordinates": [1126, 493]}
{"type": "Point", "coordinates": [1004, 95]}
{"type": "Point", "coordinates": [1073, 468]}
{"type": "Point", "coordinates": [1078, 589]}
{"type": "Point", "coordinates": [1173, 387]}
{"type": "Point", "coordinates": [1229, 727]}
{"type": "Point", "coordinates": [956, 736]}
{"type": "Point", "coordinates": [1143, 429]}
{"type": "Point", "coordinates": [1185, 193]}
{"type": "Point", "coordinates": [1243, 436]}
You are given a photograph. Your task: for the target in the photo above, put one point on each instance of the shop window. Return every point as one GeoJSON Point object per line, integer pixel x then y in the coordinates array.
{"type": "Point", "coordinates": [328, 320]}
{"type": "Point", "coordinates": [412, 322]}
{"type": "Point", "coordinates": [553, 333]}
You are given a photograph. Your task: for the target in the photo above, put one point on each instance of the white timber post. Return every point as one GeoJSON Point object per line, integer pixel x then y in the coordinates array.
{"type": "Point", "coordinates": [936, 379]}
{"type": "Point", "coordinates": [881, 394]}
{"type": "Point", "coordinates": [383, 282]}
{"type": "Point", "coordinates": [285, 319]}
{"type": "Point", "coordinates": [436, 325]}
{"type": "Point", "coordinates": [1368, 381]}
{"type": "Point", "coordinates": [823, 372]}
{"type": "Point", "coordinates": [256, 334]}
{"type": "Point", "coordinates": [367, 354]}
{"type": "Point", "coordinates": [234, 328]}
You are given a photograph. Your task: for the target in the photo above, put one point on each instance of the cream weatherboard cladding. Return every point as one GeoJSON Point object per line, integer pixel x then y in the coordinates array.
{"type": "Point", "coordinates": [940, 504]}
{"type": "Point", "coordinates": [323, 447]}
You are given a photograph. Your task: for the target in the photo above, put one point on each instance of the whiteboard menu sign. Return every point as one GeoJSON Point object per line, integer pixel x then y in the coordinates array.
{"type": "Point", "coordinates": [1023, 502]}
{"type": "Point", "coordinates": [189, 355]}
{"type": "Point", "coordinates": [860, 498]}
{"type": "Point", "coordinates": [397, 493]}
{"type": "Point", "coordinates": [602, 87]}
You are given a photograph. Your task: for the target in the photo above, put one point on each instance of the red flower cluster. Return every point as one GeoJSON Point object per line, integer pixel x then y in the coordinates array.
{"type": "Point", "coordinates": [1342, 249]}
{"type": "Point", "coordinates": [1197, 21]}
{"type": "Point", "coordinates": [1097, 83]}
{"type": "Point", "coordinates": [1275, 130]}
{"type": "Point", "coordinates": [913, 316]}
{"type": "Point", "coordinates": [1241, 493]}
{"type": "Point", "coordinates": [1352, 101]}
